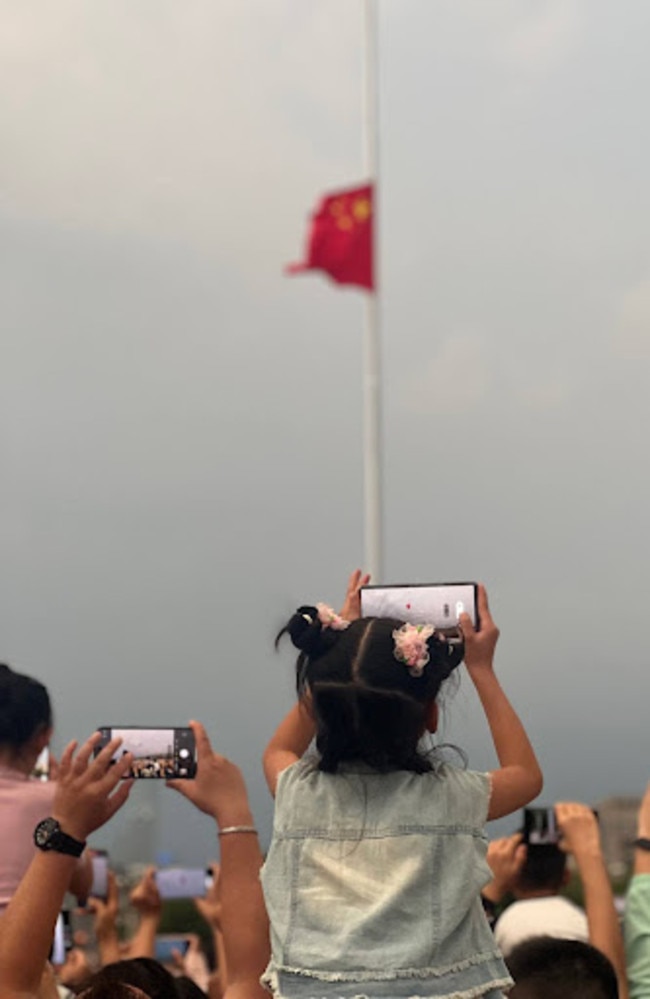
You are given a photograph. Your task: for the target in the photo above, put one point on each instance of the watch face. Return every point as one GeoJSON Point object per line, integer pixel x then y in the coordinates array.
{"type": "Point", "coordinates": [44, 831]}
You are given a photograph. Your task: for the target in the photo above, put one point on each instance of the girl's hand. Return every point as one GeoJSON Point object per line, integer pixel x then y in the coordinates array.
{"type": "Point", "coordinates": [351, 609]}
{"type": "Point", "coordinates": [479, 645]}
{"type": "Point", "coordinates": [218, 788]}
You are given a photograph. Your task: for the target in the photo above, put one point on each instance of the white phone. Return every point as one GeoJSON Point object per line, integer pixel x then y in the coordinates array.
{"type": "Point", "coordinates": [439, 604]}
{"type": "Point", "coordinates": [181, 882]}
{"type": "Point", "coordinates": [99, 887]}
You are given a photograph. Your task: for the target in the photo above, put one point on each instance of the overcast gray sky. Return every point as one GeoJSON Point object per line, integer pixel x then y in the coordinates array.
{"type": "Point", "coordinates": [181, 424]}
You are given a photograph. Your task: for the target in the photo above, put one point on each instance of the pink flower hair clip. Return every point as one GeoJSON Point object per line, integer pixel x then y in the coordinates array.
{"type": "Point", "coordinates": [330, 619]}
{"type": "Point", "coordinates": [411, 646]}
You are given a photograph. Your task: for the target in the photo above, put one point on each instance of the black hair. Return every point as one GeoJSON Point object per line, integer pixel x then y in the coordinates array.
{"type": "Point", "coordinates": [543, 868]}
{"type": "Point", "coordinates": [550, 968]}
{"type": "Point", "coordinates": [142, 973]}
{"type": "Point", "coordinates": [368, 706]}
{"type": "Point", "coordinates": [24, 708]}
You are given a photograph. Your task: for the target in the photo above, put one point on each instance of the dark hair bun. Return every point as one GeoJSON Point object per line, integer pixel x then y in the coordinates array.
{"type": "Point", "coordinates": [305, 630]}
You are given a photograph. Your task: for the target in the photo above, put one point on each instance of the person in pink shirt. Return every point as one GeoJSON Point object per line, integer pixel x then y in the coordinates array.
{"type": "Point", "coordinates": [25, 730]}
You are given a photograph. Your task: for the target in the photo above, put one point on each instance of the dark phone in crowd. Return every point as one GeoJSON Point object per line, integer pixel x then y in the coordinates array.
{"type": "Point", "coordinates": [541, 828]}
{"type": "Point", "coordinates": [439, 604]}
{"type": "Point", "coordinates": [62, 942]}
{"type": "Point", "coordinates": [158, 753]}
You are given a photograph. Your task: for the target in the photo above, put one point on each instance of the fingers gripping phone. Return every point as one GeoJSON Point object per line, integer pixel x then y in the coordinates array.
{"type": "Point", "coordinates": [158, 753]}
{"type": "Point", "coordinates": [439, 604]}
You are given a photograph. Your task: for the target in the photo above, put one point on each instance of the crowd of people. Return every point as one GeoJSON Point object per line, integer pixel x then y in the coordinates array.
{"type": "Point", "coordinates": [380, 880]}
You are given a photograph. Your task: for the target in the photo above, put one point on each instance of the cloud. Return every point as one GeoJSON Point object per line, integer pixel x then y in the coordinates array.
{"type": "Point", "coordinates": [455, 381]}
{"type": "Point", "coordinates": [537, 40]}
{"type": "Point", "coordinates": [631, 339]}
{"type": "Point", "coordinates": [185, 121]}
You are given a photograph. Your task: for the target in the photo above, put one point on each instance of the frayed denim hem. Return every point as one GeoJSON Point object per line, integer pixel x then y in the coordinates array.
{"type": "Point", "coordinates": [471, 979]}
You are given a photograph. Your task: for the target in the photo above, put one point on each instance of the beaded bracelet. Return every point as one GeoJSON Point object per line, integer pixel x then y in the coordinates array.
{"type": "Point", "coordinates": [237, 829]}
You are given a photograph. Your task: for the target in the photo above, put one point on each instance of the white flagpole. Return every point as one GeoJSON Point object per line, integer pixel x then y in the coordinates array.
{"type": "Point", "coordinates": [372, 445]}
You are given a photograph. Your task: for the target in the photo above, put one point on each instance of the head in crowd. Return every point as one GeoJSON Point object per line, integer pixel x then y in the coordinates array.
{"type": "Point", "coordinates": [372, 696]}
{"type": "Point", "coordinates": [543, 871]}
{"type": "Point", "coordinates": [140, 977]}
{"type": "Point", "coordinates": [25, 716]}
{"type": "Point", "coordinates": [549, 968]}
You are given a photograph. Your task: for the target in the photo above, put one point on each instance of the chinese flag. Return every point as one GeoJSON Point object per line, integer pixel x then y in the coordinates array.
{"type": "Point", "coordinates": [340, 238]}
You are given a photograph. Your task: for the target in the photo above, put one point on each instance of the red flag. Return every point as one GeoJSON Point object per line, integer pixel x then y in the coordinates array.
{"type": "Point", "coordinates": [340, 238]}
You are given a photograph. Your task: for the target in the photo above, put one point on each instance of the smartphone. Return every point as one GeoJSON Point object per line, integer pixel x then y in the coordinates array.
{"type": "Point", "coordinates": [181, 882]}
{"type": "Point", "coordinates": [540, 827]}
{"type": "Point", "coordinates": [439, 604]}
{"type": "Point", "coordinates": [62, 941]}
{"type": "Point", "coordinates": [158, 753]}
{"type": "Point", "coordinates": [99, 861]}
{"type": "Point", "coordinates": [41, 769]}
{"type": "Point", "coordinates": [165, 944]}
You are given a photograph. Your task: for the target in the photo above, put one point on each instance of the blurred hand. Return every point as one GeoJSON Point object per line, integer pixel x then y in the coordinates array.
{"type": "Point", "coordinates": [351, 609]}
{"type": "Point", "coordinates": [76, 969]}
{"type": "Point", "coordinates": [145, 897]}
{"type": "Point", "coordinates": [210, 906]}
{"type": "Point", "coordinates": [479, 645]}
{"type": "Point", "coordinates": [505, 858]}
{"type": "Point", "coordinates": [579, 830]}
{"type": "Point", "coordinates": [106, 911]}
{"type": "Point", "coordinates": [643, 821]}
{"type": "Point", "coordinates": [86, 796]}
{"type": "Point", "coordinates": [218, 788]}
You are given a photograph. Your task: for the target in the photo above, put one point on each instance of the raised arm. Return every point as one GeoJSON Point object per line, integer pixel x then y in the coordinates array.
{"type": "Point", "coordinates": [637, 909]}
{"type": "Point", "coordinates": [87, 796]}
{"type": "Point", "coordinates": [289, 742]}
{"type": "Point", "coordinates": [219, 790]}
{"type": "Point", "coordinates": [519, 778]}
{"type": "Point", "coordinates": [581, 837]}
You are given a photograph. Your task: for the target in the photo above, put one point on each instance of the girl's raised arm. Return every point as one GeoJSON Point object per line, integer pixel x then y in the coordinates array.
{"type": "Point", "coordinates": [290, 741]}
{"type": "Point", "coordinates": [519, 778]}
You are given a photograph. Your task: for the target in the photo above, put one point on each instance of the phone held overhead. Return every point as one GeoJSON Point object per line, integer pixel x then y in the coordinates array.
{"type": "Point", "coordinates": [158, 753]}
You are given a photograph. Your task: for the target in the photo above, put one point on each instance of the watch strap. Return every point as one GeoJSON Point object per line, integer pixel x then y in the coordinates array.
{"type": "Point", "coordinates": [642, 843]}
{"type": "Point", "coordinates": [49, 835]}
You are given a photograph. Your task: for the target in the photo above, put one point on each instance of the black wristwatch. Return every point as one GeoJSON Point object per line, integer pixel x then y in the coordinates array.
{"type": "Point", "coordinates": [642, 843]}
{"type": "Point", "coordinates": [48, 835]}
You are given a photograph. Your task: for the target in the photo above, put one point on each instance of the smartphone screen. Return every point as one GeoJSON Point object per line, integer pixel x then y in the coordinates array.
{"type": "Point", "coordinates": [439, 604]}
{"type": "Point", "coordinates": [62, 941]}
{"type": "Point", "coordinates": [166, 944]}
{"type": "Point", "coordinates": [181, 882]}
{"type": "Point", "coordinates": [41, 769]}
{"type": "Point", "coordinates": [158, 753]}
{"type": "Point", "coordinates": [99, 887]}
{"type": "Point", "coordinates": [540, 827]}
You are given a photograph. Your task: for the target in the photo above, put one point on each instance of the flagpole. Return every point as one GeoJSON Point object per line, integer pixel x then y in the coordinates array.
{"type": "Point", "coordinates": [372, 445]}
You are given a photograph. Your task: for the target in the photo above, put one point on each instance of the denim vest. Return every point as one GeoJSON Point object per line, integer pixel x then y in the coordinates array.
{"type": "Point", "coordinates": [372, 885]}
